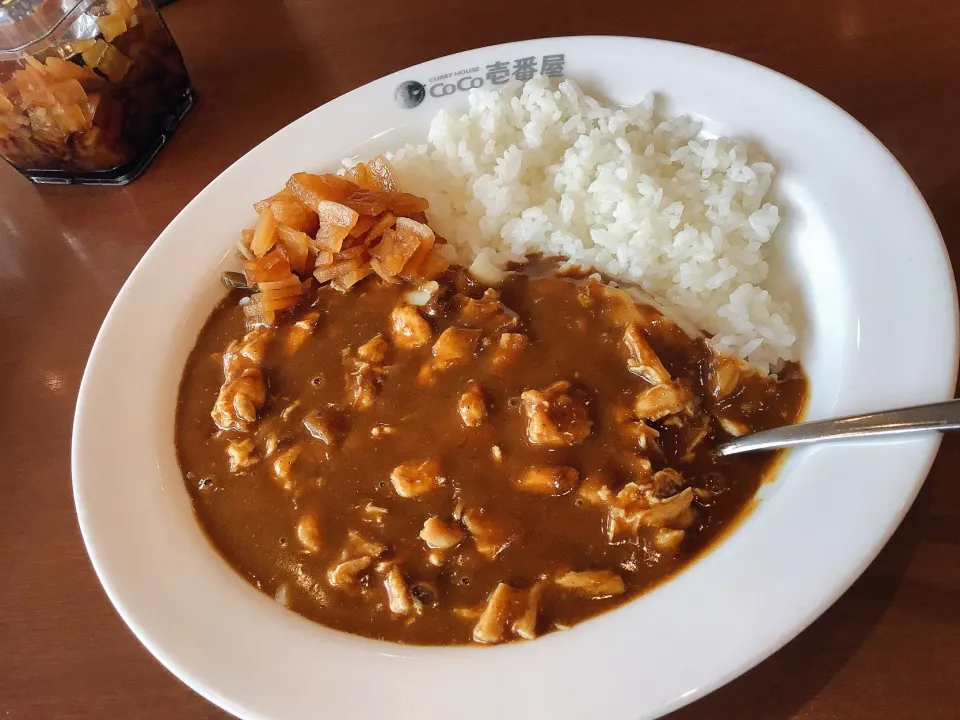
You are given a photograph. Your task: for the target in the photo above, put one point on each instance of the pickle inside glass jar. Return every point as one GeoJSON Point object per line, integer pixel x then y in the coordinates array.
{"type": "Point", "coordinates": [93, 103]}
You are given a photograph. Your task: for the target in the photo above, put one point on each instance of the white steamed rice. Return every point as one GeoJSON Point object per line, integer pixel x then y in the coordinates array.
{"type": "Point", "coordinates": [541, 168]}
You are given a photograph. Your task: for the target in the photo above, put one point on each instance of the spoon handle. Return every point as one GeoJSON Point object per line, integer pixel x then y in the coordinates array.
{"type": "Point", "coordinates": [939, 416]}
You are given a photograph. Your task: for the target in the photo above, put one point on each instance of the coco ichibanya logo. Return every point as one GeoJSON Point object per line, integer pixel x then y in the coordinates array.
{"type": "Point", "coordinates": [410, 93]}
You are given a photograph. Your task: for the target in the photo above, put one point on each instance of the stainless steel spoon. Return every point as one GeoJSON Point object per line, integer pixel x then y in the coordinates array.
{"type": "Point", "coordinates": [923, 418]}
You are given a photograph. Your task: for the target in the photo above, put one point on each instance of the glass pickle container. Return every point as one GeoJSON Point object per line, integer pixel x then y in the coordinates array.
{"type": "Point", "coordinates": [90, 90]}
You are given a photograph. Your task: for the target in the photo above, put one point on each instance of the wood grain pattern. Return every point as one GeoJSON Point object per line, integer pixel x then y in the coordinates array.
{"type": "Point", "coordinates": [889, 648]}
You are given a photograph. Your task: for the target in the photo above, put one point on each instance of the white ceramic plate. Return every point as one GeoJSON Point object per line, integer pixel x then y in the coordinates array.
{"type": "Point", "coordinates": [881, 331]}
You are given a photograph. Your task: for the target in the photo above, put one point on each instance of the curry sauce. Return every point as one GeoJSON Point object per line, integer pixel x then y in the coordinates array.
{"type": "Point", "coordinates": [454, 463]}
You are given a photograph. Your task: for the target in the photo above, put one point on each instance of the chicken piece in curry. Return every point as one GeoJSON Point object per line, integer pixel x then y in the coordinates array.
{"type": "Point", "coordinates": [442, 462]}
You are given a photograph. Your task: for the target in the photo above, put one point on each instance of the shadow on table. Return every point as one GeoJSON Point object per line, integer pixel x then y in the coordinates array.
{"type": "Point", "coordinates": [780, 686]}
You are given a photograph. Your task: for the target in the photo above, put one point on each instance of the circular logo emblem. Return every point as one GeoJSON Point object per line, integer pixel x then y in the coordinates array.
{"type": "Point", "coordinates": [409, 94]}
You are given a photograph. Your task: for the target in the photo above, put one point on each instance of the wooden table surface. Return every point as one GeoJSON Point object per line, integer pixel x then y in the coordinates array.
{"type": "Point", "coordinates": [889, 648]}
